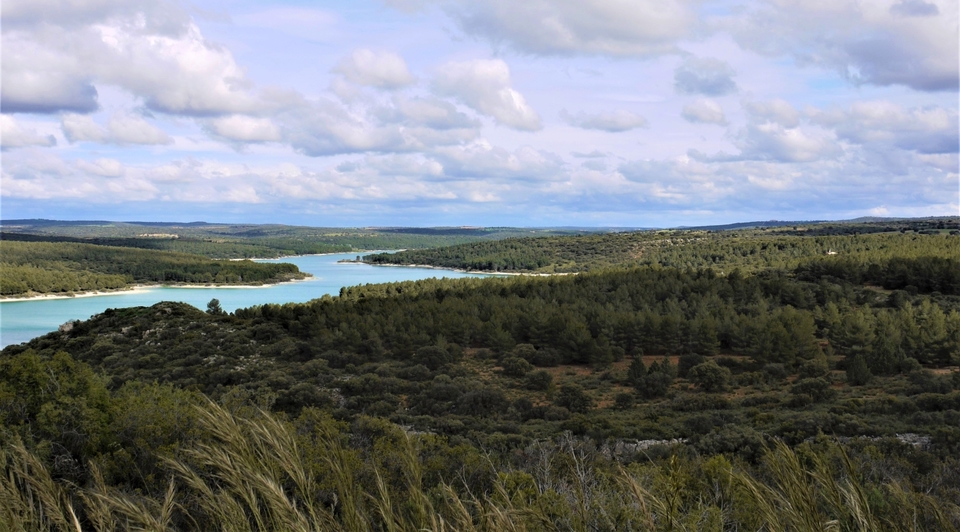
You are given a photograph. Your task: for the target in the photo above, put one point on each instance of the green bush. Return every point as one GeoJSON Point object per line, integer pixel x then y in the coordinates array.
{"type": "Point", "coordinates": [709, 377]}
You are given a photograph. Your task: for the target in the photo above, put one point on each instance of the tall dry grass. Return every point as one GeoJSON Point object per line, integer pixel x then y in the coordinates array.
{"type": "Point", "coordinates": [250, 474]}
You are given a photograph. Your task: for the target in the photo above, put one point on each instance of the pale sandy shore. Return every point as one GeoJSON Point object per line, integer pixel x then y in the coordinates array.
{"type": "Point", "coordinates": [143, 288]}
{"type": "Point", "coordinates": [138, 289]}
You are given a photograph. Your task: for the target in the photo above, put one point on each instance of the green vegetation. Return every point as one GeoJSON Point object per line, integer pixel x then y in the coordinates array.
{"type": "Point", "coordinates": [246, 241]}
{"type": "Point", "coordinates": [50, 268]}
{"type": "Point", "coordinates": [821, 394]}
{"type": "Point", "coordinates": [750, 250]}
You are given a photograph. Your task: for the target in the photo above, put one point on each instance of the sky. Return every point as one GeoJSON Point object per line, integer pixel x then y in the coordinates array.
{"type": "Point", "coordinates": [640, 113]}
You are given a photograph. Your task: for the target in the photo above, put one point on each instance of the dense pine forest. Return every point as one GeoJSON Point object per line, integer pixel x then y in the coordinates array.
{"type": "Point", "coordinates": [751, 249]}
{"type": "Point", "coordinates": [780, 389]}
{"type": "Point", "coordinates": [31, 268]}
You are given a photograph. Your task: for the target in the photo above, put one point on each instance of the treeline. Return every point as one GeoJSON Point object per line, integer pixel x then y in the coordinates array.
{"type": "Point", "coordinates": [76, 456]}
{"type": "Point", "coordinates": [46, 267]}
{"type": "Point", "coordinates": [748, 250]}
{"type": "Point", "coordinates": [211, 248]}
{"type": "Point", "coordinates": [233, 241]}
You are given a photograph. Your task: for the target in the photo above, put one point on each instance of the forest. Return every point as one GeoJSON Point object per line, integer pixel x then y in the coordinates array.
{"type": "Point", "coordinates": [749, 249]}
{"type": "Point", "coordinates": [775, 387]}
{"type": "Point", "coordinates": [31, 268]}
{"type": "Point", "coordinates": [249, 241]}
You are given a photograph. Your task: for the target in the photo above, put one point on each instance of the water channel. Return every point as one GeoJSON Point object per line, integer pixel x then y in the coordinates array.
{"type": "Point", "coordinates": [22, 320]}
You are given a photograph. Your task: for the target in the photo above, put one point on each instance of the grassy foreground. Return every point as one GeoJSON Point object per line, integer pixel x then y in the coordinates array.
{"type": "Point", "coordinates": [250, 470]}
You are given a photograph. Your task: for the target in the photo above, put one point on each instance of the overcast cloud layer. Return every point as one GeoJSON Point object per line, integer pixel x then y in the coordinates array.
{"type": "Point", "coordinates": [420, 112]}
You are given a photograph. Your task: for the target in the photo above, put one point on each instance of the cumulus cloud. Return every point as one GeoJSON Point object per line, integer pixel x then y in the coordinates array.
{"type": "Point", "coordinates": [121, 129]}
{"type": "Point", "coordinates": [777, 111]}
{"type": "Point", "coordinates": [612, 121]}
{"type": "Point", "coordinates": [153, 50]}
{"type": "Point", "coordinates": [102, 167]}
{"type": "Point", "coordinates": [883, 125]}
{"type": "Point", "coordinates": [706, 76]}
{"type": "Point", "coordinates": [910, 43]}
{"type": "Point", "coordinates": [618, 28]}
{"type": "Point", "coordinates": [484, 160]}
{"type": "Point", "coordinates": [773, 142]}
{"type": "Point", "coordinates": [430, 112]}
{"type": "Point", "coordinates": [243, 128]}
{"type": "Point", "coordinates": [704, 111]}
{"type": "Point", "coordinates": [485, 86]}
{"type": "Point", "coordinates": [773, 134]}
{"type": "Point", "coordinates": [383, 70]}
{"type": "Point", "coordinates": [14, 135]}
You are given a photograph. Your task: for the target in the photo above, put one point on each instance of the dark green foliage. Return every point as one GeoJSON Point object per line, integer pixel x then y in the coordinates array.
{"type": "Point", "coordinates": [573, 398]}
{"type": "Point", "coordinates": [812, 390]}
{"type": "Point", "coordinates": [926, 262]}
{"type": "Point", "coordinates": [515, 366]}
{"type": "Point", "coordinates": [710, 377]}
{"type": "Point", "coordinates": [636, 372]}
{"type": "Point", "coordinates": [213, 307]}
{"type": "Point", "coordinates": [43, 267]}
{"type": "Point", "coordinates": [624, 400]}
{"type": "Point", "coordinates": [654, 384]}
{"type": "Point", "coordinates": [539, 380]}
{"type": "Point", "coordinates": [858, 373]}
{"type": "Point", "coordinates": [687, 361]}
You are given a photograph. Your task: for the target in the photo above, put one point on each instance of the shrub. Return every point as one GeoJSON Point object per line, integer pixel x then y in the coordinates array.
{"type": "Point", "coordinates": [687, 362]}
{"type": "Point", "coordinates": [776, 372]}
{"type": "Point", "coordinates": [655, 384]}
{"type": "Point", "coordinates": [515, 367]}
{"type": "Point", "coordinates": [524, 351]}
{"type": "Point", "coordinates": [547, 358]}
{"type": "Point", "coordinates": [858, 373]}
{"type": "Point", "coordinates": [539, 380]}
{"type": "Point", "coordinates": [818, 390]}
{"type": "Point", "coordinates": [624, 400]}
{"type": "Point", "coordinates": [816, 367]}
{"type": "Point", "coordinates": [710, 377]}
{"type": "Point", "coordinates": [573, 398]}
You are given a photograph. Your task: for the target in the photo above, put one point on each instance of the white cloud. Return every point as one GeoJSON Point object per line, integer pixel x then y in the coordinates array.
{"type": "Point", "coordinates": [244, 128]}
{"type": "Point", "coordinates": [121, 129]}
{"type": "Point", "coordinates": [37, 79]}
{"type": "Point", "coordinates": [102, 167]}
{"type": "Point", "coordinates": [773, 142]}
{"type": "Point", "coordinates": [884, 124]}
{"type": "Point", "coordinates": [777, 111]}
{"type": "Point", "coordinates": [609, 27]}
{"type": "Point", "coordinates": [485, 86]}
{"type": "Point", "coordinates": [773, 134]}
{"type": "Point", "coordinates": [430, 112]}
{"type": "Point", "coordinates": [384, 70]}
{"type": "Point", "coordinates": [612, 121]}
{"type": "Point", "coordinates": [14, 135]}
{"type": "Point", "coordinates": [877, 42]}
{"type": "Point", "coordinates": [704, 111]}
{"type": "Point", "coordinates": [131, 129]}
{"type": "Point", "coordinates": [706, 76]}
{"type": "Point", "coordinates": [485, 161]}
{"type": "Point", "coordinates": [152, 50]}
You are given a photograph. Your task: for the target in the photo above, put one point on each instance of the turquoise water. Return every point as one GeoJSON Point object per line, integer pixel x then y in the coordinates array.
{"type": "Point", "coordinates": [22, 320]}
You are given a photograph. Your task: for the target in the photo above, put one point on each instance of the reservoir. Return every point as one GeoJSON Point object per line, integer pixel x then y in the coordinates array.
{"type": "Point", "coordinates": [21, 321]}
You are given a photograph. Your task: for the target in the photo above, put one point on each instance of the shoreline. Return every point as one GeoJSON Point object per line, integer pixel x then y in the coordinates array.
{"type": "Point", "coordinates": [460, 270]}
{"type": "Point", "coordinates": [141, 289]}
